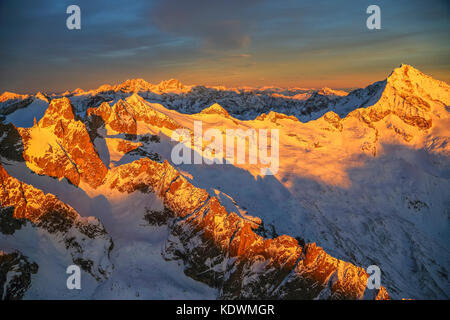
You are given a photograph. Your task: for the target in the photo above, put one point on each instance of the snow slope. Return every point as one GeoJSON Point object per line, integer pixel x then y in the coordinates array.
{"type": "Point", "coordinates": [371, 188]}
{"type": "Point", "coordinates": [365, 176]}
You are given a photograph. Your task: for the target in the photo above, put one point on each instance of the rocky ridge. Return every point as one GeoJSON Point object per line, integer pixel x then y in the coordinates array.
{"type": "Point", "coordinates": [24, 205]}
{"type": "Point", "coordinates": [222, 249]}
{"type": "Point", "coordinates": [219, 247]}
{"type": "Point", "coordinates": [60, 146]}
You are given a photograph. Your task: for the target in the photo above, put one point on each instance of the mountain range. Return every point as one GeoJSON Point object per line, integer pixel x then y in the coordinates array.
{"type": "Point", "coordinates": [87, 179]}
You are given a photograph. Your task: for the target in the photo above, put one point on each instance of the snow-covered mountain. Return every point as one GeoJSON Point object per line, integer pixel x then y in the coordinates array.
{"type": "Point", "coordinates": [243, 103]}
{"type": "Point", "coordinates": [363, 179]}
{"type": "Point", "coordinates": [40, 237]}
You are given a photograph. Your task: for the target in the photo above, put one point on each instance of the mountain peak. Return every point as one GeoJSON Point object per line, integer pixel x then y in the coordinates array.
{"type": "Point", "coordinates": [171, 84]}
{"type": "Point", "coordinates": [57, 109]}
{"type": "Point", "coordinates": [406, 73]}
{"type": "Point", "coordinates": [134, 85]}
{"type": "Point", "coordinates": [215, 109]}
{"type": "Point", "coordinates": [405, 68]}
{"type": "Point", "coordinates": [41, 96]}
{"type": "Point", "coordinates": [413, 82]}
{"type": "Point", "coordinates": [407, 93]}
{"type": "Point", "coordinates": [78, 91]}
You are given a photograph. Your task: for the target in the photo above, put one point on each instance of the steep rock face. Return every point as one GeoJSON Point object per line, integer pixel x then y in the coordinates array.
{"type": "Point", "coordinates": [29, 202]}
{"type": "Point", "coordinates": [123, 116]}
{"type": "Point", "coordinates": [15, 275]}
{"type": "Point", "coordinates": [85, 239]}
{"type": "Point", "coordinates": [143, 111]}
{"type": "Point", "coordinates": [327, 277]}
{"type": "Point", "coordinates": [221, 248]}
{"type": "Point", "coordinates": [11, 142]}
{"type": "Point", "coordinates": [334, 120]}
{"type": "Point", "coordinates": [118, 117]}
{"type": "Point", "coordinates": [122, 120]}
{"type": "Point", "coordinates": [60, 146]}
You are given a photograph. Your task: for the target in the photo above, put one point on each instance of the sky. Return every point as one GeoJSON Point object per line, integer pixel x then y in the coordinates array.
{"type": "Point", "coordinates": [219, 42]}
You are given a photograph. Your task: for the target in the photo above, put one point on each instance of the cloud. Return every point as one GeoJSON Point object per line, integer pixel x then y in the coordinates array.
{"type": "Point", "coordinates": [221, 24]}
{"type": "Point", "coordinates": [156, 39]}
{"type": "Point", "coordinates": [240, 55]}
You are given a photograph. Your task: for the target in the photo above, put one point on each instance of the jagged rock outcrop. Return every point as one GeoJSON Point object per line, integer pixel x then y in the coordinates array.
{"type": "Point", "coordinates": [367, 180]}
{"type": "Point", "coordinates": [84, 238]}
{"type": "Point", "coordinates": [222, 249]}
{"type": "Point", "coordinates": [273, 116]}
{"type": "Point", "coordinates": [123, 116]}
{"type": "Point", "coordinates": [334, 120]}
{"type": "Point", "coordinates": [122, 120]}
{"type": "Point", "coordinates": [11, 142]}
{"type": "Point", "coordinates": [15, 275]}
{"type": "Point", "coordinates": [60, 146]}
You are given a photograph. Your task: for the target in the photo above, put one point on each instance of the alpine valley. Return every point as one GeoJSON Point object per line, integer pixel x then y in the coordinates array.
{"type": "Point", "coordinates": [86, 178]}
